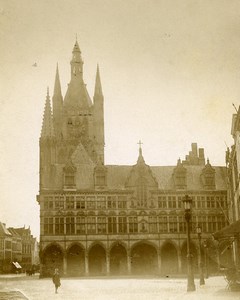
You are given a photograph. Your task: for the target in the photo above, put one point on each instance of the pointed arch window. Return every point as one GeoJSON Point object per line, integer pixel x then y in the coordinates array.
{"type": "Point", "coordinates": [69, 176]}
{"type": "Point", "coordinates": [142, 191]}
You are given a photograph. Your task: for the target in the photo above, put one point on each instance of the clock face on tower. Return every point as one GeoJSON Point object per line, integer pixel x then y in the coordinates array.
{"type": "Point", "coordinates": [77, 129]}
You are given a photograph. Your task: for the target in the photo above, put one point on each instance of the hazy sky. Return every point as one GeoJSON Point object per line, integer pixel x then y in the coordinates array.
{"type": "Point", "coordinates": [170, 71]}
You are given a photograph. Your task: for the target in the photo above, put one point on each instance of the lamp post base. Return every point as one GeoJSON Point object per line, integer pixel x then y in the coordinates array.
{"type": "Point", "coordinates": [202, 281]}
{"type": "Point", "coordinates": [191, 286]}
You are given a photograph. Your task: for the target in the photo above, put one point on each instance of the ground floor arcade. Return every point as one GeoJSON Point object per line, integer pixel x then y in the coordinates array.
{"type": "Point", "coordinates": [119, 258]}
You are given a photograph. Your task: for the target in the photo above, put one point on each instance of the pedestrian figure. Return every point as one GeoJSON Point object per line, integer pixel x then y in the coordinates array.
{"type": "Point", "coordinates": [56, 280]}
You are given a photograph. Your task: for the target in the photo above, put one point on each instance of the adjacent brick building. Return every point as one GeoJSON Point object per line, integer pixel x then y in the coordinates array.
{"type": "Point", "coordinates": [18, 249]}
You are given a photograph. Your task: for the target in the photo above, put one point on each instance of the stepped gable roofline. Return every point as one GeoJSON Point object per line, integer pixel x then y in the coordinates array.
{"type": "Point", "coordinates": [118, 174]}
{"type": "Point", "coordinates": [180, 167]}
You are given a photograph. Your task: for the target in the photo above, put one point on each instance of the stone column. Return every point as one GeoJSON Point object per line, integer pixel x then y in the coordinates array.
{"type": "Point", "coordinates": [86, 265]}
{"type": "Point", "coordinates": [64, 263]}
{"type": "Point", "coordinates": [129, 263]}
{"type": "Point", "coordinates": [108, 262]}
{"type": "Point", "coordinates": [159, 261]}
{"type": "Point", "coordinates": [179, 257]}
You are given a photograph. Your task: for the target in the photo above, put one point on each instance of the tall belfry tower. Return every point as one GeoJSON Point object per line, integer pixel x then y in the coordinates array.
{"type": "Point", "coordinates": [72, 132]}
{"type": "Point", "coordinates": [98, 219]}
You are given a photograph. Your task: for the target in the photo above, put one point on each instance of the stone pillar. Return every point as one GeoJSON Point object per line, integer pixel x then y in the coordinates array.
{"type": "Point", "coordinates": [86, 265]}
{"type": "Point", "coordinates": [159, 262]}
{"type": "Point", "coordinates": [129, 263]}
{"type": "Point", "coordinates": [179, 257]}
{"type": "Point", "coordinates": [108, 262]}
{"type": "Point", "coordinates": [65, 264]}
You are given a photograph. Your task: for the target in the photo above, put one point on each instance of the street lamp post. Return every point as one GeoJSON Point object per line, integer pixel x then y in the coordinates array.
{"type": "Point", "coordinates": [205, 245]}
{"type": "Point", "coordinates": [199, 233]}
{"type": "Point", "coordinates": [187, 206]}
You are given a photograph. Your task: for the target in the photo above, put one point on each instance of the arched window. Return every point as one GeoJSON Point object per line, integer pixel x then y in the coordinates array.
{"type": "Point", "coordinates": [69, 176]}
{"type": "Point", "coordinates": [142, 191]}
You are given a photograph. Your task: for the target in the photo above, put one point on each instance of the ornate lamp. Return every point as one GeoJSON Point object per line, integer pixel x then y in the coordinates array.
{"type": "Point", "coordinates": [187, 206]}
{"type": "Point", "coordinates": [199, 233]}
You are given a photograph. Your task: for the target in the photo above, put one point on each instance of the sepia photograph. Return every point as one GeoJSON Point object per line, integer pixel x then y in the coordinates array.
{"type": "Point", "coordinates": [120, 149]}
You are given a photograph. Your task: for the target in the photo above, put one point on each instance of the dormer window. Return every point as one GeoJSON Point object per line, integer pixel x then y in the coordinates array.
{"type": "Point", "coordinates": [69, 179]}
{"type": "Point", "coordinates": [208, 177]}
{"type": "Point", "coordinates": [69, 176]}
{"type": "Point", "coordinates": [100, 176]}
{"type": "Point", "coordinates": [180, 176]}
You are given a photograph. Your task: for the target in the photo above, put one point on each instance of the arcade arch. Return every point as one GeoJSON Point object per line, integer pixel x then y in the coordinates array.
{"type": "Point", "coordinates": [75, 260]}
{"type": "Point", "coordinates": [144, 260]}
{"type": "Point", "coordinates": [97, 260]}
{"type": "Point", "coordinates": [52, 258]}
{"type": "Point", "coordinates": [169, 259]}
{"type": "Point", "coordinates": [118, 260]}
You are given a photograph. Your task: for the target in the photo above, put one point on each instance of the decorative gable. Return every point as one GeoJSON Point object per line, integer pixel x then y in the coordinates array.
{"type": "Point", "coordinates": [180, 176]}
{"type": "Point", "coordinates": [208, 177]}
{"type": "Point", "coordinates": [69, 172]}
{"type": "Point", "coordinates": [141, 180]}
{"type": "Point", "coordinates": [100, 176]}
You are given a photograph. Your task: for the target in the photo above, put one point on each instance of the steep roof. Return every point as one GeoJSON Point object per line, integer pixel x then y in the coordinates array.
{"type": "Point", "coordinates": [13, 232]}
{"type": "Point", "coordinates": [117, 176]}
{"type": "Point", "coordinates": [3, 230]}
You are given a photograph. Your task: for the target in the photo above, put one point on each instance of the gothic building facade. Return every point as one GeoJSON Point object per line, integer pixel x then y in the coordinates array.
{"type": "Point", "coordinates": [98, 219]}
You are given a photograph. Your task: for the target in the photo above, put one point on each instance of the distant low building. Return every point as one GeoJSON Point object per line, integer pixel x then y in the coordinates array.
{"type": "Point", "coordinates": [16, 245]}
{"type": "Point", "coordinates": [98, 219]}
{"type": "Point", "coordinates": [27, 241]}
{"type": "Point", "coordinates": [18, 249]}
{"type": "Point", "coordinates": [5, 249]}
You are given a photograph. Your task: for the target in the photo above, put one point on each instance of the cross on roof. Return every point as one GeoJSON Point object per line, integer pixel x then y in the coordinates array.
{"type": "Point", "coordinates": [140, 144]}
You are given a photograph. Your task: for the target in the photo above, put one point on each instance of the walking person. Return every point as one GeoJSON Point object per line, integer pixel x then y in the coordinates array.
{"type": "Point", "coordinates": [56, 280]}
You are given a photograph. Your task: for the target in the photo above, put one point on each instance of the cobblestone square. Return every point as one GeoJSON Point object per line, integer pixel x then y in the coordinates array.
{"type": "Point", "coordinates": [33, 288]}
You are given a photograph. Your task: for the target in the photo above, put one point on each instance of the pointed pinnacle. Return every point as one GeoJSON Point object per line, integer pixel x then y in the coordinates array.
{"type": "Point", "coordinates": [98, 86]}
{"type": "Point", "coordinates": [57, 85]}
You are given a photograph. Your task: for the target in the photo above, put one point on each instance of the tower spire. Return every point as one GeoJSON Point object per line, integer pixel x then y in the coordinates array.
{"type": "Point", "coordinates": [76, 62]}
{"type": "Point", "coordinates": [99, 117]}
{"type": "Point", "coordinates": [57, 85]}
{"type": "Point", "coordinates": [57, 100]}
{"type": "Point", "coordinates": [47, 125]}
{"type": "Point", "coordinates": [98, 86]}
